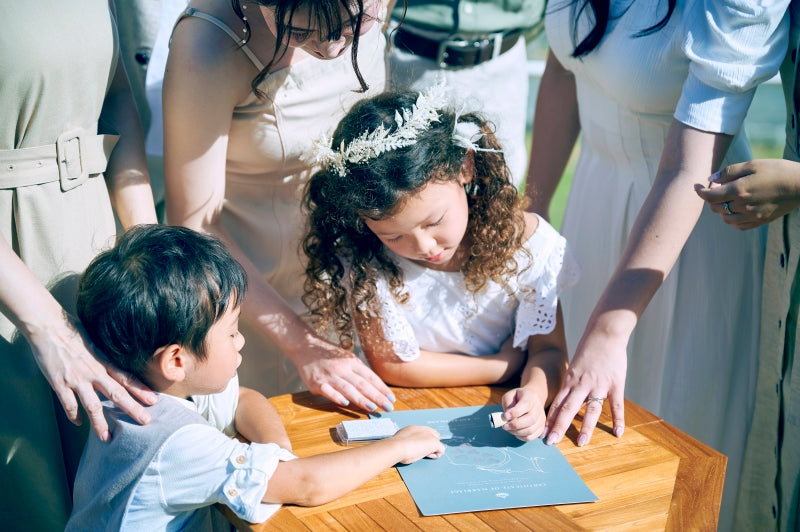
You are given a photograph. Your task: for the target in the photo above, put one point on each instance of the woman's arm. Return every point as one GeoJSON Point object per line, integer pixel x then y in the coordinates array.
{"type": "Point", "coordinates": [62, 353]}
{"type": "Point", "coordinates": [662, 227]}
{"type": "Point", "coordinates": [201, 89]}
{"type": "Point", "coordinates": [126, 174]}
{"type": "Point", "coordinates": [433, 369]}
{"type": "Point", "coordinates": [556, 126]}
{"type": "Point", "coordinates": [322, 478]}
{"type": "Point", "coordinates": [524, 407]}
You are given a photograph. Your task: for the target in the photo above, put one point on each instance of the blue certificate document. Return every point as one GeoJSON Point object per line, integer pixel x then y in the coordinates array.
{"type": "Point", "coordinates": [484, 468]}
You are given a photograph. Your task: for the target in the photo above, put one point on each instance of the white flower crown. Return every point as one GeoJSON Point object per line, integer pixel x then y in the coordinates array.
{"type": "Point", "coordinates": [371, 144]}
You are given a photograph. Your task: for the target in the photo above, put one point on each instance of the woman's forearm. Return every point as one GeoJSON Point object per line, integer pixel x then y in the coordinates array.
{"type": "Point", "coordinates": [662, 227]}
{"type": "Point", "coordinates": [126, 174]}
{"type": "Point", "coordinates": [555, 129]}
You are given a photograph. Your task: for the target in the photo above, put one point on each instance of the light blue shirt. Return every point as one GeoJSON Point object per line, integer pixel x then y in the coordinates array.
{"type": "Point", "coordinates": [200, 465]}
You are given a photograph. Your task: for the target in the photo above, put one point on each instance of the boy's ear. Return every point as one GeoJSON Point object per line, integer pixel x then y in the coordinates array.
{"type": "Point", "coordinates": [467, 172]}
{"type": "Point", "coordinates": [171, 362]}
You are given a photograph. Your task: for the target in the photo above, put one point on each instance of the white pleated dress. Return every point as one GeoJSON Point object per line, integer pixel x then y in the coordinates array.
{"type": "Point", "coordinates": [692, 356]}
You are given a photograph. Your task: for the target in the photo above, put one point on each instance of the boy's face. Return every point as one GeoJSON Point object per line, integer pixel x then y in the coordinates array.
{"type": "Point", "coordinates": [223, 343]}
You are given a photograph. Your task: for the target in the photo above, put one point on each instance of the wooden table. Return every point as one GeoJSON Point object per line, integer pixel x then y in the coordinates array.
{"type": "Point", "coordinates": [653, 478]}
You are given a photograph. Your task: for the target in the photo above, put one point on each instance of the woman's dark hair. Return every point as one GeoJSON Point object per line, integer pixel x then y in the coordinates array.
{"type": "Point", "coordinates": [327, 16]}
{"type": "Point", "coordinates": [600, 10]}
{"type": "Point", "coordinates": [377, 188]}
{"type": "Point", "coordinates": [160, 285]}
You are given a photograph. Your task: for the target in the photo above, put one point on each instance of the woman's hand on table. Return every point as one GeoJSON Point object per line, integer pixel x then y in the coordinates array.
{"type": "Point", "coordinates": [418, 442]}
{"type": "Point", "coordinates": [523, 413]}
{"type": "Point", "coordinates": [597, 373]}
{"type": "Point", "coordinates": [342, 377]}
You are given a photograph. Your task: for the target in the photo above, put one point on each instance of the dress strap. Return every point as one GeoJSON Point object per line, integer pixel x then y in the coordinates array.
{"type": "Point", "coordinates": [192, 12]}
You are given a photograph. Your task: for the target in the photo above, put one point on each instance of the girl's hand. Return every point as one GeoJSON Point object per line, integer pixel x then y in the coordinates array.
{"type": "Point", "coordinates": [523, 412]}
{"type": "Point", "coordinates": [342, 377]}
{"type": "Point", "coordinates": [66, 359]}
{"type": "Point", "coordinates": [597, 371]}
{"type": "Point", "coordinates": [756, 192]}
{"type": "Point", "coordinates": [418, 442]}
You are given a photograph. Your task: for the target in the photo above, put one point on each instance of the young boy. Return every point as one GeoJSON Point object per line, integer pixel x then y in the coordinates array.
{"type": "Point", "coordinates": [163, 304]}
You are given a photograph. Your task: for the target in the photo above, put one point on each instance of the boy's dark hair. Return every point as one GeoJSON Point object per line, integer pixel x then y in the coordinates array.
{"type": "Point", "coordinates": [378, 187]}
{"type": "Point", "coordinates": [159, 285]}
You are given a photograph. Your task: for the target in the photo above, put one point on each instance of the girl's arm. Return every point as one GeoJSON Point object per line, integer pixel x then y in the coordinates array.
{"type": "Point", "coordinates": [524, 407]}
{"type": "Point", "coordinates": [258, 421]}
{"type": "Point", "coordinates": [62, 353]}
{"type": "Point", "coordinates": [201, 89]}
{"type": "Point", "coordinates": [556, 125]}
{"type": "Point", "coordinates": [434, 369]}
{"type": "Point", "coordinates": [662, 227]}
{"type": "Point", "coordinates": [126, 175]}
{"type": "Point", "coordinates": [322, 478]}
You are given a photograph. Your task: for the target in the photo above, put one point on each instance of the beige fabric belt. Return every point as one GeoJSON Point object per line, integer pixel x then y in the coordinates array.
{"type": "Point", "coordinates": [76, 156]}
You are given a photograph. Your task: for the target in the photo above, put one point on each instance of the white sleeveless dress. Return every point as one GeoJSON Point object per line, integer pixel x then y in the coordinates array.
{"type": "Point", "coordinates": [266, 174]}
{"type": "Point", "coordinates": [692, 356]}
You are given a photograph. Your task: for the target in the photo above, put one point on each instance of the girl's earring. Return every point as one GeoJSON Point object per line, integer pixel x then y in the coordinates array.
{"type": "Point", "coordinates": [471, 188]}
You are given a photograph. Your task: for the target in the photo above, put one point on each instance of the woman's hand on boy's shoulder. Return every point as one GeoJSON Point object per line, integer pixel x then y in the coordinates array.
{"type": "Point", "coordinates": [418, 442]}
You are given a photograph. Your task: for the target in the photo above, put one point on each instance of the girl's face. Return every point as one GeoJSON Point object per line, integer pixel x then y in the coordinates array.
{"type": "Point", "coordinates": [305, 35]}
{"type": "Point", "coordinates": [429, 227]}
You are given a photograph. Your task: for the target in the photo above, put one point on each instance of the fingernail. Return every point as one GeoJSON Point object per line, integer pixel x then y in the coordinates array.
{"type": "Point", "coordinates": [371, 406]}
{"type": "Point", "coordinates": [618, 431]}
{"type": "Point", "coordinates": [391, 397]}
{"type": "Point", "coordinates": [388, 407]}
{"type": "Point", "coordinates": [551, 438]}
{"type": "Point", "coordinates": [582, 440]}
{"type": "Point", "coordinates": [106, 436]}
{"type": "Point", "coordinates": [345, 402]}
{"type": "Point", "coordinates": [714, 176]}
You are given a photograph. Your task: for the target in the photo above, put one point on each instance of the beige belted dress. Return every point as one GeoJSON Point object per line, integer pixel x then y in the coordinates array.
{"type": "Point", "coordinates": [56, 63]}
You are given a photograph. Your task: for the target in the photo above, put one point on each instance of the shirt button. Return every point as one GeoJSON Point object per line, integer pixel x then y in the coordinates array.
{"type": "Point", "coordinates": [234, 492]}
{"type": "Point", "coordinates": [241, 459]}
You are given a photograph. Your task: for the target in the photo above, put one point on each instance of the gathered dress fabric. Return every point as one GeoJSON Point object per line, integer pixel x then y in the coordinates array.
{"type": "Point", "coordinates": [269, 145]}
{"type": "Point", "coordinates": [692, 355]}
{"type": "Point", "coordinates": [56, 63]}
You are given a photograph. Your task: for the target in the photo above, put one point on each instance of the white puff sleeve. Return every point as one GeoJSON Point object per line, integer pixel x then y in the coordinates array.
{"type": "Point", "coordinates": [554, 268]}
{"type": "Point", "coordinates": [732, 46]}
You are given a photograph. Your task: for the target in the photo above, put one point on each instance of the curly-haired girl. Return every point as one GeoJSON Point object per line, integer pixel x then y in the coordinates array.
{"type": "Point", "coordinates": [418, 243]}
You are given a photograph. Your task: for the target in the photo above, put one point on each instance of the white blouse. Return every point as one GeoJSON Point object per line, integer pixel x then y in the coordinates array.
{"type": "Point", "coordinates": [441, 315]}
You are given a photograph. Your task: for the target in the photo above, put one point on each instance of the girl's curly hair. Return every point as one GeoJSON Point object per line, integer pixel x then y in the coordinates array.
{"type": "Point", "coordinates": [377, 188]}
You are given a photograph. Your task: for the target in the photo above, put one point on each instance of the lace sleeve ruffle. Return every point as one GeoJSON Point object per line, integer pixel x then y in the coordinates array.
{"type": "Point", "coordinates": [553, 270]}
{"type": "Point", "coordinates": [396, 328]}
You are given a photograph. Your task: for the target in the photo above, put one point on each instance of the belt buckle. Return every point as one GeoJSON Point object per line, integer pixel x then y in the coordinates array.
{"type": "Point", "coordinates": [69, 152]}
{"type": "Point", "coordinates": [465, 42]}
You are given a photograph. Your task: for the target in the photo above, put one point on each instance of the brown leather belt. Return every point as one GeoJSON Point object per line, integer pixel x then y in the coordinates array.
{"type": "Point", "coordinates": [455, 50]}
